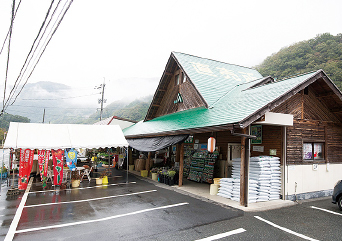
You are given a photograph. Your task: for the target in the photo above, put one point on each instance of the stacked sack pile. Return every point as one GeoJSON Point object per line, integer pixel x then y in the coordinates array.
{"type": "Point", "coordinates": [264, 180]}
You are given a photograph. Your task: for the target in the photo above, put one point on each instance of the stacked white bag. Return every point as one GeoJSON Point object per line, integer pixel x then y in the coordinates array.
{"type": "Point", "coordinates": [266, 171]}
{"type": "Point", "coordinates": [264, 180]}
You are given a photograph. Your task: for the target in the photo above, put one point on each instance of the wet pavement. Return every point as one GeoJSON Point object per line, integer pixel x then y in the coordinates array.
{"type": "Point", "coordinates": [132, 209]}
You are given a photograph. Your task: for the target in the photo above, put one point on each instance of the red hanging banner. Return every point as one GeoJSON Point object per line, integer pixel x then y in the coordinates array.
{"type": "Point", "coordinates": [46, 162]}
{"type": "Point", "coordinates": [25, 166]}
{"type": "Point", "coordinates": [41, 159]}
{"type": "Point", "coordinates": [57, 157]}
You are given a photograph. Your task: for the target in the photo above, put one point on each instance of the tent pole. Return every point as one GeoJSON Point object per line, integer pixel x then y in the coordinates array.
{"type": "Point", "coordinates": [127, 164]}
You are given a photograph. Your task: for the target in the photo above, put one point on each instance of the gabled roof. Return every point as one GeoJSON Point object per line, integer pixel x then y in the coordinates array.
{"type": "Point", "coordinates": [114, 120]}
{"type": "Point", "coordinates": [240, 105]}
{"type": "Point", "coordinates": [211, 79]}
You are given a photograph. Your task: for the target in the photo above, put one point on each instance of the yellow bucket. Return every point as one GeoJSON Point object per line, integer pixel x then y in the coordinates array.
{"type": "Point", "coordinates": [143, 173]}
{"type": "Point", "coordinates": [105, 180]}
{"type": "Point", "coordinates": [217, 180]}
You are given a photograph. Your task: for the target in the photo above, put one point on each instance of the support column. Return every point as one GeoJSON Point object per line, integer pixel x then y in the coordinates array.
{"type": "Point", "coordinates": [148, 163]}
{"type": "Point", "coordinates": [244, 171]}
{"type": "Point", "coordinates": [181, 165]}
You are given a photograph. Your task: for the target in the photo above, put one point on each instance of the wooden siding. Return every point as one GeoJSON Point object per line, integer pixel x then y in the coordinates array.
{"type": "Point", "coordinates": [167, 91]}
{"type": "Point", "coordinates": [222, 140]}
{"type": "Point", "coordinates": [313, 121]}
{"type": "Point", "coordinates": [189, 95]}
{"type": "Point", "coordinates": [272, 138]}
{"type": "Point", "coordinates": [306, 106]}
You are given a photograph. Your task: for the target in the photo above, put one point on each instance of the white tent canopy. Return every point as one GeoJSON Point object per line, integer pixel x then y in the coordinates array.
{"type": "Point", "coordinates": [61, 136]}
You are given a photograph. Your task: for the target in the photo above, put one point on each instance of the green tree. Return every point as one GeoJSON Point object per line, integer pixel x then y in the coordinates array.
{"type": "Point", "coordinates": [322, 52]}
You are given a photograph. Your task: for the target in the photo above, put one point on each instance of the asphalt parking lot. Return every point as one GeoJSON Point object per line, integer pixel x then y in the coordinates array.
{"type": "Point", "coordinates": [136, 209]}
{"type": "Point", "coordinates": [124, 210]}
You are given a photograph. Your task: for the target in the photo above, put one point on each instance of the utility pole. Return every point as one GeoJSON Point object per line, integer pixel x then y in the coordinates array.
{"type": "Point", "coordinates": [44, 115]}
{"type": "Point", "coordinates": [102, 100]}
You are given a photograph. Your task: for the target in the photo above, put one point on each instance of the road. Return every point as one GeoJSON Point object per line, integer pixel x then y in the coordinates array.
{"type": "Point", "coordinates": [141, 210]}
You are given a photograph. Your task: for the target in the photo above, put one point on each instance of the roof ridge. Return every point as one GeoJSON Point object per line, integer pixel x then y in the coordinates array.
{"type": "Point", "coordinates": [297, 75]}
{"type": "Point", "coordinates": [215, 60]}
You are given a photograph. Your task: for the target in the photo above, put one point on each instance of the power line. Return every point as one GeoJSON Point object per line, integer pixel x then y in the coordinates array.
{"type": "Point", "coordinates": [34, 48]}
{"type": "Point", "coordinates": [27, 60]}
{"type": "Point", "coordinates": [3, 45]}
{"type": "Point", "coordinates": [64, 98]}
{"type": "Point", "coordinates": [8, 55]}
{"type": "Point", "coordinates": [43, 50]}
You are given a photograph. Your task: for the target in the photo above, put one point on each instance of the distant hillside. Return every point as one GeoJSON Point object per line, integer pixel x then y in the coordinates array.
{"type": "Point", "coordinates": [322, 52]}
{"type": "Point", "coordinates": [5, 120]}
{"type": "Point", "coordinates": [135, 110]}
{"type": "Point", "coordinates": [57, 100]}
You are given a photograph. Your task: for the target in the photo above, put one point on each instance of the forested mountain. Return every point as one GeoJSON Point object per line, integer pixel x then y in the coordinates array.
{"type": "Point", "coordinates": [322, 52]}
{"type": "Point", "coordinates": [135, 110]}
{"type": "Point", "coordinates": [5, 120]}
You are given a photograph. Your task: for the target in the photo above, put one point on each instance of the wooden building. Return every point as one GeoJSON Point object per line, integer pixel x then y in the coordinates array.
{"type": "Point", "coordinates": [298, 120]}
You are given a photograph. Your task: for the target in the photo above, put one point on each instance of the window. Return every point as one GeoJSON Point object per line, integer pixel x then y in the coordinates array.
{"type": "Point", "coordinates": [177, 79]}
{"type": "Point", "coordinates": [313, 151]}
{"type": "Point", "coordinates": [183, 77]}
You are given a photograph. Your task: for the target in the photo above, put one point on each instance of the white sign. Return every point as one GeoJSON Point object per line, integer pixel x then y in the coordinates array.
{"type": "Point", "coordinates": [258, 148]}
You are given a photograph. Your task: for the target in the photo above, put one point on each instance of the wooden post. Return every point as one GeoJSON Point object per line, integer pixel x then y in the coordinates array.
{"type": "Point", "coordinates": [181, 165]}
{"type": "Point", "coordinates": [243, 172]}
{"type": "Point", "coordinates": [178, 147]}
{"type": "Point", "coordinates": [148, 162]}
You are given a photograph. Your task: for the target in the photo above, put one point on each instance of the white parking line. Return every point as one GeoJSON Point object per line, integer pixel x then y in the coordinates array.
{"type": "Point", "coordinates": [101, 219]}
{"type": "Point", "coordinates": [91, 199]}
{"type": "Point", "coordinates": [222, 235]}
{"type": "Point", "coordinates": [15, 221]}
{"type": "Point", "coordinates": [79, 188]}
{"type": "Point", "coordinates": [285, 229]}
{"type": "Point", "coordinates": [325, 210]}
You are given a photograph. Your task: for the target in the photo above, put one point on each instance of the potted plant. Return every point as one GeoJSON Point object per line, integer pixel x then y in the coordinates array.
{"type": "Point", "coordinates": [4, 171]}
{"type": "Point", "coordinates": [154, 172]}
{"type": "Point", "coordinates": [171, 174]}
{"type": "Point", "coordinates": [75, 179]}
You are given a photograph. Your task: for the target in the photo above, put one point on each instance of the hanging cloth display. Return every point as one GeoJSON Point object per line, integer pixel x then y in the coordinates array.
{"type": "Point", "coordinates": [25, 166]}
{"type": "Point", "coordinates": [71, 158]}
{"type": "Point", "coordinates": [57, 158]}
{"type": "Point", "coordinates": [155, 143]}
{"type": "Point", "coordinates": [43, 162]}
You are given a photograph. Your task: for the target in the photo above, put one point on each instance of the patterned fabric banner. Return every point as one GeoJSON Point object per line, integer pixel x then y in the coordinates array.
{"type": "Point", "coordinates": [71, 159]}
{"type": "Point", "coordinates": [25, 166]}
{"type": "Point", "coordinates": [43, 162]}
{"type": "Point", "coordinates": [46, 162]}
{"type": "Point", "coordinates": [57, 157]}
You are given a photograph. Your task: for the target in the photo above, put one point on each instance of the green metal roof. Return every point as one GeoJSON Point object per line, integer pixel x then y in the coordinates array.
{"type": "Point", "coordinates": [235, 105]}
{"type": "Point", "coordinates": [212, 78]}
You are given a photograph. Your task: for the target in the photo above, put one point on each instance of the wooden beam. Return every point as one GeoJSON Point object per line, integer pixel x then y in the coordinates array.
{"type": "Point", "coordinates": [181, 165]}
{"type": "Point", "coordinates": [148, 162]}
{"type": "Point", "coordinates": [168, 73]}
{"type": "Point", "coordinates": [243, 172]}
{"type": "Point", "coordinates": [178, 147]}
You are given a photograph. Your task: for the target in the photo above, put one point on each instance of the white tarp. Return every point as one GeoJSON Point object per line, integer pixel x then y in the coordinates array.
{"type": "Point", "coordinates": [61, 136]}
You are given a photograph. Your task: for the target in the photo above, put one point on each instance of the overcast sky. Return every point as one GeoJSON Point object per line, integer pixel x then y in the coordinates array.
{"type": "Point", "coordinates": [129, 42]}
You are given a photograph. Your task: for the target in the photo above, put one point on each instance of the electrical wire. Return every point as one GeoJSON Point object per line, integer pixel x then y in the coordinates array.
{"type": "Point", "coordinates": [43, 50]}
{"type": "Point", "coordinates": [3, 44]}
{"type": "Point", "coordinates": [34, 49]}
{"type": "Point", "coordinates": [8, 55]}
{"type": "Point", "coordinates": [65, 98]}
{"type": "Point", "coordinates": [17, 81]}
